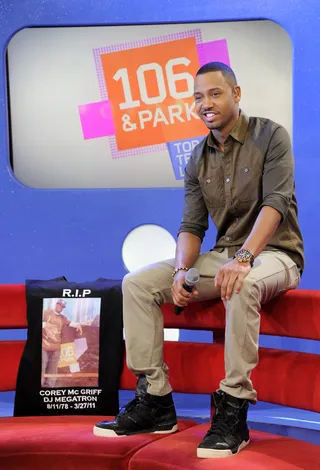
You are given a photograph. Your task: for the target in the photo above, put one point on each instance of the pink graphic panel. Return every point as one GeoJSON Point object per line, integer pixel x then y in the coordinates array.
{"type": "Point", "coordinates": [214, 51]}
{"type": "Point", "coordinates": [96, 120]}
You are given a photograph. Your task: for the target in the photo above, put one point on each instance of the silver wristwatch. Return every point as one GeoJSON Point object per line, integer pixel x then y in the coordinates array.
{"type": "Point", "coordinates": [244, 256]}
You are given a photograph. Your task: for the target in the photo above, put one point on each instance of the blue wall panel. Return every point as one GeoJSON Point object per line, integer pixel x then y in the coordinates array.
{"type": "Point", "coordinates": [79, 233]}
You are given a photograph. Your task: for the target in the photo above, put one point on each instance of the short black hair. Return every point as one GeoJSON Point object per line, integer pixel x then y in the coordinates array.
{"type": "Point", "coordinates": [226, 71]}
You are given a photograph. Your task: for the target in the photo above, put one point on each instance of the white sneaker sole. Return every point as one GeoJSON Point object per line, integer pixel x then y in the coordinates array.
{"type": "Point", "coordinates": [219, 454]}
{"type": "Point", "coordinates": [109, 433]}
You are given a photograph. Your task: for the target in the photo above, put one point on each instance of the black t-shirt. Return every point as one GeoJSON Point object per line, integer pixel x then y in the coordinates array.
{"type": "Point", "coordinates": [73, 357]}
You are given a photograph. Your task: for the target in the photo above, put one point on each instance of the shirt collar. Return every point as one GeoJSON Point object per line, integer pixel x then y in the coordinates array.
{"type": "Point", "coordinates": [238, 132]}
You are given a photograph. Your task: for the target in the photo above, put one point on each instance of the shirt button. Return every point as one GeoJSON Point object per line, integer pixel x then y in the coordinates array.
{"type": "Point", "coordinates": [237, 219]}
{"type": "Point", "coordinates": [208, 180]}
{"type": "Point", "coordinates": [246, 170]}
{"type": "Point", "coordinates": [228, 180]}
{"type": "Point", "coordinates": [228, 239]}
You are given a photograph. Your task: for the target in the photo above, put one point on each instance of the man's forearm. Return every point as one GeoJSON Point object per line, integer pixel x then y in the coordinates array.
{"type": "Point", "coordinates": [264, 228]}
{"type": "Point", "coordinates": [187, 250]}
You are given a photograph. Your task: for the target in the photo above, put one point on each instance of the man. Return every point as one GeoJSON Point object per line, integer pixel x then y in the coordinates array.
{"type": "Point", "coordinates": [52, 324]}
{"type": "Point", "coordinates": [241, 174]}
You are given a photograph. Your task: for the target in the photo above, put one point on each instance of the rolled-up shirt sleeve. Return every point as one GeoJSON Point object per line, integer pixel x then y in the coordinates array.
{"type": "Point", "coordinates": [278, 173]}
{"type": "Point", "coordinates": [195, 212]}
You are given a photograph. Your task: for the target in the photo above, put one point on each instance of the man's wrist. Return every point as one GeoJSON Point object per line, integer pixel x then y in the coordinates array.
{"type": "Point", "coordinates": [177, 270]}
{"type": "Point", "coordinates": [244, 256]}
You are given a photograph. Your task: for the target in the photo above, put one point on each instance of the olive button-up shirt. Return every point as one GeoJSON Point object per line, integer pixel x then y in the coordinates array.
{"type": "Point", "coordinates": [256, 169]}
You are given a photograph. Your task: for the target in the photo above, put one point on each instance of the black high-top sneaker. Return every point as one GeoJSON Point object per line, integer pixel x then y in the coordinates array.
{"type": "Point", "coordinates": [144, 414]}
{"type": "Point", "coordinates": [229, 432]}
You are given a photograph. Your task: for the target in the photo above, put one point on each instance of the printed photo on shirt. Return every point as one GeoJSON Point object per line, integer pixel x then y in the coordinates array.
{"type": "Point", "coordinates": [70, 342]}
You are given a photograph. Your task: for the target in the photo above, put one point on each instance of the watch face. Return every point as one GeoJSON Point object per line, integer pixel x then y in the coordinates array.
{"type": "Point", "coordinates": [244, 255]}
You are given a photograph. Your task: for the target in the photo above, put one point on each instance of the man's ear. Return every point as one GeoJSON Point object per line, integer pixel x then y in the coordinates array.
{"type": "Point", "coordinates": [237, 94]}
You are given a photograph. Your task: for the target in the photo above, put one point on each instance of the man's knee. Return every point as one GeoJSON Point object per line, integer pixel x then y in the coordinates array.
{"type": "Point", "coordinates": [155, 279]}
{"type": "Point", "coordinates": [248, 292]}
{"type": "Point", "coordinates": [127, 280]}
{"type": "Point", "coordinates": [137, 279]}
{"type": "Point", "coordinates": [249, 285]}
{"type": "Point", "coordinates": [131, 280]}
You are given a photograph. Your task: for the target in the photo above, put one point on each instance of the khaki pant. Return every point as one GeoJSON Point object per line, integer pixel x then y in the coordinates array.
{"type": "Point", "coordinates": [147, 289]}
{"type": "Point", "coordinates": [50, 360]}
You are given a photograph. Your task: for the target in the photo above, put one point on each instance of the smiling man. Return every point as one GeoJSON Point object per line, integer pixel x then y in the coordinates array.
{"type": "Point", "coordinates": [242, 176]}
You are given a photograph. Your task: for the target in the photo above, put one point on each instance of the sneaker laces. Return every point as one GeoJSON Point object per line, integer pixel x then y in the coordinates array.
{"type": "Point", "coordinates": [222, 421]}
{"type": "Point", "coordinates": [128, 406]}
{"type": "Point", "coordinates": [134, 405]}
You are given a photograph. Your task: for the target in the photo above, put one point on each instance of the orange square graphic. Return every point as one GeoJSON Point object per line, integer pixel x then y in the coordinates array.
{"type": "Point", "coordinates": [151, 93]}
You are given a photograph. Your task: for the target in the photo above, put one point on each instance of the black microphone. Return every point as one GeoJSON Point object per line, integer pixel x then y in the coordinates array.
{"type": "Point", "coordinates": [191, 279]}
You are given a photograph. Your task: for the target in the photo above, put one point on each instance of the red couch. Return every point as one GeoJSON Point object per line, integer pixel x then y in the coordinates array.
{"type": "Point", "coordinates": [283, 377]}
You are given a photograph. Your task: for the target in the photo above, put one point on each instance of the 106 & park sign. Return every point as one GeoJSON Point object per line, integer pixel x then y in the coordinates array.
{"type": "Point", "coordinates": [146, 90]}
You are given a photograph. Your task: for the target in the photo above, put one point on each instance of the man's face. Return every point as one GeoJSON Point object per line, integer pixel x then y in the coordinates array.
{"type": "Point", "coordinates": [216, 100]}
{"type": "Point", "coordinates": [59, 308]}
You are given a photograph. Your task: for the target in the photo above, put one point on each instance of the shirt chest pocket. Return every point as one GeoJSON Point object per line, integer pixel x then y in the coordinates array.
{"type": "Point", "coordinates": [248, 184]}
{"type": "Point", "coordinates": [212, 187]}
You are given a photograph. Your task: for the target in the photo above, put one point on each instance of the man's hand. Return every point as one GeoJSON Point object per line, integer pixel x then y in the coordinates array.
{"type": "Point", "coordinates": [230, 276]}
{"type": "Point", "coordinates": [181, 297]}
{"type": "Point", "coordinates": [79, 328]}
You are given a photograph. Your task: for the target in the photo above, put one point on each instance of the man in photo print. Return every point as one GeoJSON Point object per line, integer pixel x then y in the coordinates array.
{"type": "Point", "coordinates": [53, 322]}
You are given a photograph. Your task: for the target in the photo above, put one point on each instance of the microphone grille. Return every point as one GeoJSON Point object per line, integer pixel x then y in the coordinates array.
{"type": "Point", "coordinates": [193, 275]}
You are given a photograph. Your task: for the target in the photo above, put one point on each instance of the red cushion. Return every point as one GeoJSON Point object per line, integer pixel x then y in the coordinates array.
{"type": "Point", "coordinates": [13, 306]}
{"type": "Point", "coordinates": [198, 368]}
{"type": "Point", "coordinates": [284, 377]}
{"type": "Point", "coordinates": [67, 443]}
{"type": "Point", "coordinates": [283, 316]}
{"type": "Point", "coordinates": [265, 452]}
{"type": "Point", "coordinates": [295, 313]}
{"type": "Point", "coordinates": [10, 352]}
